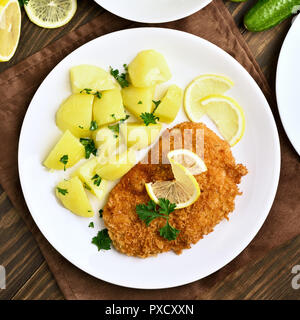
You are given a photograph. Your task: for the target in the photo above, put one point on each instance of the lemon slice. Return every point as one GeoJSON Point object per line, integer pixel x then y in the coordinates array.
{"type": "Point", "coordinates": [183, 190]}
{"type": "Point", "coordinates": [228, 116]}
{"type": "Point", "coordinates": [201, 87]}
{"type": "Point", "coordinates": [51, 13]}
{"type": "Point", "coordinates": [10, 27]}
{"type": "Point", "coordinates": [189, 160]}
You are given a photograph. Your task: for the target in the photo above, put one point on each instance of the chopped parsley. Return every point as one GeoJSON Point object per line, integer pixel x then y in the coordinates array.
{"type": "Point", "coordinates": [126, 117]}
{"type": "Point", "coordinates": [100, 213]}
{"type": "Point", "coordinates": [115, 128]}
{"type": "Point", "coordinates": [87, 186]}
{"type": "Point", "coordinates": [140, 102]}
{"type": "Point", "coordinates": [89, 146]}
{"type": "Point", "coordinates": [102, 240]}
{"type": "Point", "coordinates": [97, 180]}
{"type": "Point", "coordinates": [62, 191]}
{"type": "Point", "coordinates": [120, 77]}
{"type": "Point", "coordinates": [91, 225]}
{"type": "Point", "coordinates": [93, 126]}
{"type": "Point", "coordinates": [97, 94]}
{"type": "Point", "coordinates": [151, 117]}
{"type": "Point", "coordinates": [81, 127]}
{"type": "Point", "coordinates": [64, 160]}
{"type": "Point", "coordinates": [150, 211]}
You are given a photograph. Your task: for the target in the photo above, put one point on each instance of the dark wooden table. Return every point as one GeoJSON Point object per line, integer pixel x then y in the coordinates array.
{"type": "Point", "coordinates": [28, 276]}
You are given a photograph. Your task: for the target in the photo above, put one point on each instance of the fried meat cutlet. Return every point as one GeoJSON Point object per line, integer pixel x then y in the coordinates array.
{"type": "Point", "coordinates": [218, 185]}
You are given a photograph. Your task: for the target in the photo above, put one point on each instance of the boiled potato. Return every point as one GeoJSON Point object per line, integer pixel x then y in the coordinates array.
{"type": "Point", "coordinates": [90, 77]}
{"type": "Point", "coordinates": [93, 182]}
{"type": "Point", "coordinates": [116, 166]}
{"type": "Point", "coordinates": [73, 197]}
{"type": "Point", "coordinates": [75, 114]}
{"type": "Point", "coordinates": [170, 104]}
{"type": "Point", "coordinates": [106, 140]}
{"type": "Point", "coordinates": [138, 100]}
{"type": "Point", "coordinates": [109, 108]}
{"type": "Point", "coordinates": [148, 68]}
{"type": "Point", "coordinates": [140, 136]}
{"type": "Point", "coordinates": [69, 146]}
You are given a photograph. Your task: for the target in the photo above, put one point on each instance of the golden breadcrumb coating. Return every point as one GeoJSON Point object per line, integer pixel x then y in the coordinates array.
{"type": "Point", "coordinates": [218, 185]}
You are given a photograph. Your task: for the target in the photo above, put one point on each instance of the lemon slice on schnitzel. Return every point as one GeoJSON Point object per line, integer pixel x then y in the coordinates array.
{"type": "Point", "coordinates": [200, 87]}
{"type": "Point", "coordinates": [10, 27]}
{"type": "Point", "coordinates": [51, 13]}
{"type": "Point", "coordinates": [228, 116]}
{"type": "Point", "coordinates": [189, 160]}
{"type": "Point", "coordinates": [183, 190]}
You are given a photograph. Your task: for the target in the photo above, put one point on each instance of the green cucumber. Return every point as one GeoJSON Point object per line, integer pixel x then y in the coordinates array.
{"type": "Point", "coordinates": [268, 13]}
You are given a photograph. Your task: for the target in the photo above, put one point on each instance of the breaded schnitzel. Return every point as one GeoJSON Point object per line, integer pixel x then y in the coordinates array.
{"type": "Point", "coordinates": [218, 185]}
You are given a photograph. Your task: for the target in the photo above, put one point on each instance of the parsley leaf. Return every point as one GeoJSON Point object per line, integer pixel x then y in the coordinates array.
{"type": "Point", "coordinates": [62, 191]}
{"type": "Point", "coordinates": [102, 240]}
{"type": "Point", "coordinates": [93, 126]}
{"type": "Point", "coordinates": [140, 102]}
{"type": "Point", "coordinates": [120, 77]}
{"type": "Point", "coordinates": [148, 212]}
{"type": "Point", "coordinates": [169, 232]}
{"type": "Point", "coordinates": [166, 207]}
{"type": "Point", "coordinates": [97, 180]}
{"type": "Point", "coordinates": [91, 225]}
{"type": "Point", "coordinates": [100, 213]}
{"type": "Point", "coordinates": [89, 146]}
{"type": "Point", "coordinates": [149, 118]}
{"type": "Point", "coordinates": [64, 159]}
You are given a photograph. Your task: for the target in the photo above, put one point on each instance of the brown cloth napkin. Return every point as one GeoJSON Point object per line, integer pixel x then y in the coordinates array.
{"type": "Point", "coordinates": [19, 83]}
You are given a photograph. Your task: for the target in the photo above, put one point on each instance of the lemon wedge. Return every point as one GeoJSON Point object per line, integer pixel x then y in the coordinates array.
{"type": "Point", "coordinates": [228, 116]}
{"type": "Point", "coordinates": [10, 27]}
{"type": "Point", "coordinates": [50, 13]}
{"type": "Point", "coordinates": [188, 159]}
{"type": "Point", "coordinates": [183, 190]}
{"type": "Point", "coordinates": [201, 87]}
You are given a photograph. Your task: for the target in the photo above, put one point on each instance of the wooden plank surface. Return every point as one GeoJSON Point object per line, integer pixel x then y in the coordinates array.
{"type": "Point", "coordinates": [28, 276]}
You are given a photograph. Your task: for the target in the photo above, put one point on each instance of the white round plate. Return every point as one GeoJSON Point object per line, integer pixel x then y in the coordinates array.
{"type": "Point", "coordinates": [288, 84]}
{"type": "Point", "coordinates": [188, 56]}
{"type": "Point", "coordinates": [153, 11]}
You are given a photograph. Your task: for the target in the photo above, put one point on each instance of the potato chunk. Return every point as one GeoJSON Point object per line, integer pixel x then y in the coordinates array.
{"type": "Point", "coordinates": [93, 182]}
{"type": "Point", "coordinates": [109, 108]}
{"type": "Point", "coordinates": [140, 136]}
{"type": "Point", "coordinates": [69, 146]}
{"type": "Point", "coordinates": [138, 100]}
{"type": "Point", "coordinates": [91, 77]}
{"type": "Point", "coordinates": [116, 166]}
{"type": "Point", "coordinates": [75, 114]}
{"type": "Point", "coordinates": [73, 197]}
{"type": "Point", "coordinates": [148, 68]}
{"type": "Point", "coordinates": [170, 104]}
{"type": "Point", "coordinates": [106, 140]}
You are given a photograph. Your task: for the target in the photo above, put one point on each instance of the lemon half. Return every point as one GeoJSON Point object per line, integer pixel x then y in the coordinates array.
{"type": "Point", "coordinates": [51, 13]}
{"type": "Point", "coordinates": [183, 190]}
{"type": "Point", "coordinates": [228, 116]}
{"type": "Point", "coordinates": [10, 27]}
{"type": "Point", "coordinates": [201, 87]}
